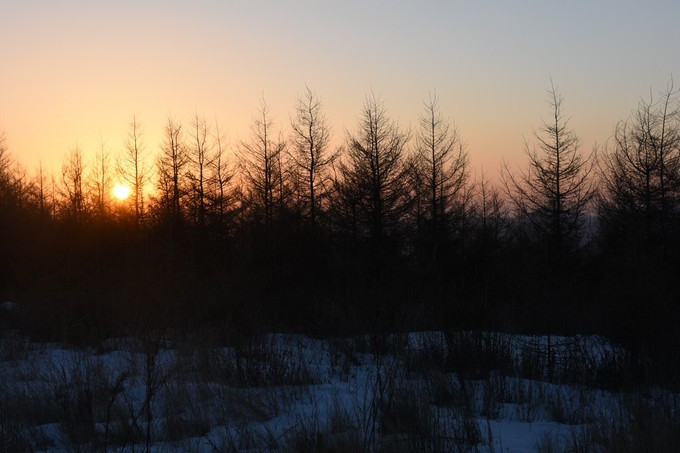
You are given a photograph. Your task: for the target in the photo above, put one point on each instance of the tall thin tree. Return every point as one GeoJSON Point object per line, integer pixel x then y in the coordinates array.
{"type": "Point", "coordinates": [100, 178]}
{"type": "Point", "coordinates": [221, 174]}
{"type": "Point", "coordinates": [310, 136]}
{"type": "Point", "coordinates": [556, 188]}
{"type": "Point", "coordinates": [199, 160]}
{"type": "Point", "coordinates": [133, 167]}
{"type": "Point", "coordinates": [640, 170]}
{"type": "Point", "coordinates": [172, 163]}
{"type": "Point", "coordinates": [72, 175]}
{"type": "Point", "coordinates": [261, 167]}
{"type": "Point", "coordinates": [442, 162]}
{"type": "Point", "coordinates": [374, 166]}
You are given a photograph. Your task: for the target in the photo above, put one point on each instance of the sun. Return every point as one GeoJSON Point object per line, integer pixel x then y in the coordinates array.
{"type": "Point", "coordinates": [121, 192]}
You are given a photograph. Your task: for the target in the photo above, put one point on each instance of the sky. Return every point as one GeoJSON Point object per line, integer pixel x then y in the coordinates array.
{"type": "Point", "coordinates": [73, 72]}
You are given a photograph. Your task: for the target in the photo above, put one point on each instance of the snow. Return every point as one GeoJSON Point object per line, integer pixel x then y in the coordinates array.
{"type": "Point", "coordinates": [265, 392]}
{"type": "Point", "coordinates": [9, 306]}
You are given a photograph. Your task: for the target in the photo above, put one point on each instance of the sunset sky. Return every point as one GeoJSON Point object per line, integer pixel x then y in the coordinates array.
{"type": "Point", "coordinates": [72, 71]}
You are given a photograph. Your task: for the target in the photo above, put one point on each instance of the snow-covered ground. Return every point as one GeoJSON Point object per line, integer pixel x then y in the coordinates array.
{"type": "Point", "coordinates": [427, 391]}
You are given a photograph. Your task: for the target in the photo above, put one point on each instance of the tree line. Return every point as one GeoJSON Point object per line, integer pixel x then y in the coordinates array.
{"type": "Point", "coordinates": [388, 231]}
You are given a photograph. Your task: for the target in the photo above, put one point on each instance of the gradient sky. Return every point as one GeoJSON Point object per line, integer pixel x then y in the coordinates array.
{"type": "Point", "coordinates": [72, 71]}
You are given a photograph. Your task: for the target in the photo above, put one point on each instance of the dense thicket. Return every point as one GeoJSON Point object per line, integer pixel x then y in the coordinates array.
{"type": "Point", "coordinates": [388, 232]}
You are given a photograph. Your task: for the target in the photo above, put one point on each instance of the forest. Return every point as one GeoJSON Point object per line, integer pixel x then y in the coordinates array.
{"type": "Point", "coordinates": [388, 233]}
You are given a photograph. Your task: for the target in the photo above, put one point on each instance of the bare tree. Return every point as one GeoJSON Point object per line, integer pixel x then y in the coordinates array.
{"type": "Point", "coordinates": [17, 190]}
{"type": "Point", "coordinates": [309, 138]}
{"type": "Point", "coordinates": [100, 178]}
{"type": "Point", "coordinates": [45, 186]}
{"type": "Point", "coordinates": [171, 166]}
{"type": "Point", "coordinates": [133, 168]}
{"type": "Point", "coordinates": [375, 168]}
{"type": "Point", "coordinates": [221, 175]}
{"type": "Point", "coordinates": [261, 166]}
{"type": "Point", "coordinates": [43, 201]}
{"type": "Point", "coordinates": [4, 157]}
{"type": "Point", "coordinates": [199, 159]}
{"type": "Point", "coordinates": [21, 187]}
{"type": "Point", "coordinates": [491, 215]}
{"type": "Point", "coordinates": [553, 195]}
{"type": "Point", "coordinates": [5, 174]}
{"type": "Point", "coordinates": [640, 170]}
{"type": "Point", "coordinates": [555, 190]}
{"type": "Point", "coordinates": [72, 172]}
{"type": "Point", "coordinates": [420, 196]}
{"type": "Point", "coordinates": [442, 162]}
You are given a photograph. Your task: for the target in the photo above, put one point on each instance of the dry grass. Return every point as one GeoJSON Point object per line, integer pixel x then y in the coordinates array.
{"type": "Point", "coordinates": [260, 394]}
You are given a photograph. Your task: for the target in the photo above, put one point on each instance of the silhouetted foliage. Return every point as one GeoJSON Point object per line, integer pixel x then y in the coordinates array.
{"type": "Point", "coordinates": [72, 179]}
{"type": "Point", "coordinates": [638, 212]}
{"type": "Point", "coordinates": [555, 190]}
{"type": "Point", "coordinates": [385, 234]}
{"type": "Point", "coordinates": [221, 194]}
{"type": "Point", "coordinates": [200, 157]}
{"type": "Point", "coordinates": [100, 180]}
{"type": "Point", "coordinates": [260, 162]}
{"type": "Point", "coordinates": [374, 169]}
{"type": "Point", "coordinates": [641, 171]}
{"type": "Point", "coordinates": [441, 166]}
{"type": "Point", "coordinates": [309, 138]}
{"type": "Point", "coordinates": [133, 168]}
{"type": "Point", "coordinates": [172, 163]}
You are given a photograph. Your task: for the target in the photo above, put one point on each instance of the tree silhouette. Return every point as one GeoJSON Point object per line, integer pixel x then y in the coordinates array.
{"type": "Point", "coordinates": [200, 160]}
{"type": "Point", "coordinates": [309, 139]}
{"type": "Point", "coordinates": [4, 162]}
{"type": "Point", "coordinates": [640, 171]}
{"type": "Point", "coordinates": [45, 202]}
{"type": "Point", "coordinates": [171, 166]}
{"type": "Point", "coordinates": [100, 178]}
{"type": "Point", "coordinates": [16, 189]}
{"type": "Point", "coordinates": [221, 195]}
{"type": "Point", "coordinates": [132, 167]}
{"type": "Point", "coordinates": [554, 192]}
{"type": "Point", "coordinates": [261, 166]}
{"type": "Point", "coordinates": [226, 243]}
{"type": "Point", "coordinates": [72, 172]}
{"type": "Point", "coordinates": [441, 165]}
{"type": "Point", "coordinates": [375, 170]}
{"type": "Point", "coordinates": [491, 216]}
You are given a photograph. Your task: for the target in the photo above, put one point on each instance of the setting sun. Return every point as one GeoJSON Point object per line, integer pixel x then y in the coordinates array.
{"type": "Point", "coordinates": [121, 192]}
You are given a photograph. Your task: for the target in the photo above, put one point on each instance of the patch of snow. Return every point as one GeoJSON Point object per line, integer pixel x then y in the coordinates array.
{"type": "Point", "coordinates": [9, 306]}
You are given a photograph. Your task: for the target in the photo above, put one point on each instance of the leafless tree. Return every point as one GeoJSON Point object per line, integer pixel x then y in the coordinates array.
{"type": "Point", "coordinates": [260, 161]}
{"type": "Point", "coordinates": [100, 178]}
{"type": "Point", "coordinates": [133, 168]}
{"type": "Point", "coordinates": [555, 190]}
{"type": "Point", "coordinates": [374, 167]}
{"type": "Point", "coordinates": [640, 169]}
{"type": "Point", "coordinates": [5, 174]}
{"type": "Point", "coordinates": [44, 187]}
{"type": "Point", "coordinates": [491, 214]}
{"type": "Point", "coordinates": [309, 138]}
{"type": "Point", "coordinates": [221, 174]}
{"type": "Point", "coordinates": [4, 157]}
{"type": "Point", "coordinates": [553, 194]}
{"type": "Point", "coordinates": [21, 189]}
{"type": "Point", "coordinates": [442, 162]}
{"type": "Point", "coordinates": [171, 164]}
{"type": "Point", "coordinates": [17, 190]}
{"type": "Point", "coordinates": [42, 196]}
{"type": "Point", "coordinates": [199, 160]}
{"type": "Point", "coordinates": [419, 194]}
{"type": "Point", "coordinates": [72, 172]}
